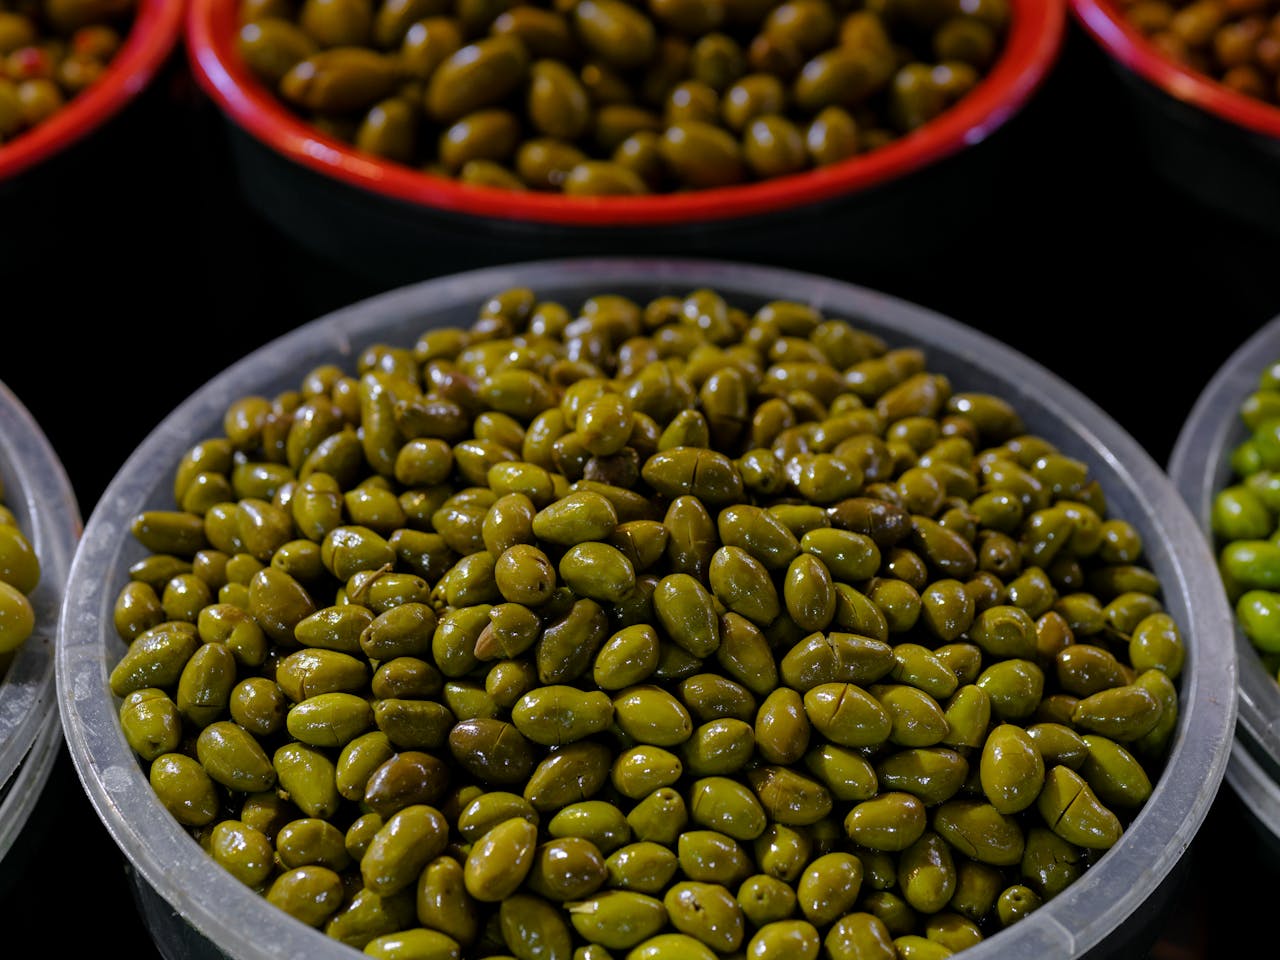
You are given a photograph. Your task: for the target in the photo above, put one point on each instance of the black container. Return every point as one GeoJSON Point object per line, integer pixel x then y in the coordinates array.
{"type": "Point", "coordinates": [893, 213]}
{"type": "Point", "coordinates": [390, 242]}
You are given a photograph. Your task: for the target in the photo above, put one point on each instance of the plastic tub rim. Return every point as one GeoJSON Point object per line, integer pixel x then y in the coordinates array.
{"type": "Point", "coordinates": [1258, 792]}
{"type": "Point", "coordinates": [1079, 919]}
{"type": "Point", "coordinates": [1036, 38]}
{"type": "Point", "coordinates": [1198, 459]}
{"type": "Point", "coordinates": [27, 786]}
{"type": "Point", "coordinates": [153, 35]}
{"type": "Point", "coordinates": [39, 494]}
{"type": "Point", "coordinates": [1127, 45]}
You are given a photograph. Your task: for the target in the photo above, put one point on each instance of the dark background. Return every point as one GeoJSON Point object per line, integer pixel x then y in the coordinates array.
{"type": "Point", "coordinates": [136, 272]}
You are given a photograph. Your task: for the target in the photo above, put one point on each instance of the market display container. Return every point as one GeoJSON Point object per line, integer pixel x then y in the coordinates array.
{"type": "Point", "coordinates": [37, 491]}
{"type": "Point", "coordinates": [391, 224]}
{"type": "Point", "coordinates": [1215, 145]}
{"type": "Point", "coordinates": [55, 178]}
{"type": "Point", "coordinates": [1200, 467]}
{"type": "Point", "coordinates": [195, 909]}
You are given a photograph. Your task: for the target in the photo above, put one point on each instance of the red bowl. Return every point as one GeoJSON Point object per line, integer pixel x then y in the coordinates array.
{"type": "Point", "coordinates": [1214, 146]}
{"type": "Point", "coordinates": [156, 27]}
{"type": "Point", "coordinates": [1034, 41]}
{"type": "Point", "coordinates": [1127, 45]}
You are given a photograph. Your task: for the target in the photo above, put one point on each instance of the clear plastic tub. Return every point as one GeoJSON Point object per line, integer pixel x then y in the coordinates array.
{"type": "Point", "coordinates": [1200, 466]}
{"type": "Point", "coordinates": [37, 490]}
{"type": "Point", "coordinates": [195, 909]}
{"type": "Point", "coordinates": [1259, 794]}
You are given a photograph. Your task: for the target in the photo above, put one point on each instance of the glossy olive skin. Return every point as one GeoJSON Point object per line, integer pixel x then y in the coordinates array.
{"type": "Point", "coordinates": [667, 628]}
{"type": "Point", "coordinates": [658, 98]}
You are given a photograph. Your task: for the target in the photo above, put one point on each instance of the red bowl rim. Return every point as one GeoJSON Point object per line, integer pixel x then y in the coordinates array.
{"type": "Point", "coordinates": [154, 33]}
{"type": "Point", "coordinates": [1035, 39]}
{"type": "Point", "coordinates": [1130, 47]}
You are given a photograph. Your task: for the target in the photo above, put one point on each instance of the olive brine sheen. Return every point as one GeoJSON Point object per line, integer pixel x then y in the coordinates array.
{"type": "Point", "coordinates": [648, 629]}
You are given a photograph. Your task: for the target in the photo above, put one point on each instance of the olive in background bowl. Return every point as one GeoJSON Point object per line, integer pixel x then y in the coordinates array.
{"type": "Point", "coordinates": [396, 224]}
{"type": "Point", "coordinates": [1200, 465]}
{"type": "Point", "coordinates": [1212, 143]}
{"type": "Point", "coordinates": [38, 494]}
{"type": "Point", "coordinates": [195, 909]}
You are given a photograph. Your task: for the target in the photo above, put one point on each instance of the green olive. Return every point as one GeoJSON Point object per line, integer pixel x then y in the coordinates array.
{"type": "Point", "coordinates": [477, 75]}
{"type": "Point", "coordinates": [499, 861]}
{"type": "Point", "coordinates": [617, 919]}
{"type": "Point", "coordinates": [340, 79]}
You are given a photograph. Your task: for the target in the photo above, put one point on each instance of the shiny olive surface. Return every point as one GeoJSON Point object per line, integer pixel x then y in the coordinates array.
{"type": "Point", "coordinates": [602, 98]}
{"type": "Point", "coordinates": [647, 628]}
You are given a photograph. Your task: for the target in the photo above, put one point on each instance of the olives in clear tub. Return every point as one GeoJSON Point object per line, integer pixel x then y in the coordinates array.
{"type": "Point", "coordinates": [1243, 521]}
{"type": "Point", "coordinates": [19, 576]}
{"type": "Point", "coordinates": [646, 628]}
{"type": "Point", "coordinates": [612, 98]}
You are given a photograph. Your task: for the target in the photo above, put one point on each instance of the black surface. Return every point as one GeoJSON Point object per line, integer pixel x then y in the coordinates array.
{"type": "Point", "coordinates": [119, 307]}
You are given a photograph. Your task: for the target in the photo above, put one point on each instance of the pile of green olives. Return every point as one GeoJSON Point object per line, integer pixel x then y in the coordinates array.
{"type": "Point", "coordinates": [52, 50]}
{"type": "Point", "coordinates": [1243, 520]}
{"type": "Point", "coordinates": [19, 576]}
{"type": "Point", "coordinates": [610, 97]}
{"type": "Point", "coordinates": [661, 629]}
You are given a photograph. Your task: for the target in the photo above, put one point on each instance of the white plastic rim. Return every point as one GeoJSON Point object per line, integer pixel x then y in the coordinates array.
{"type": "Point", "coordinates": [21, 795]}
{"type": "Point", "coordinates": [1200, 466]}
{"type": "Point", "coordinates": [1259, 792]}
{"type": "Point", "coordinates": [38, 492]}
{"type": "Point", "coordinates": [244, 926]}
